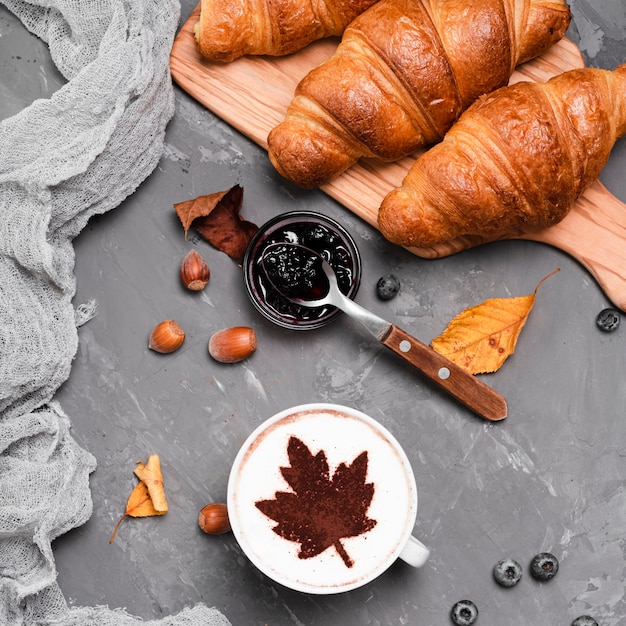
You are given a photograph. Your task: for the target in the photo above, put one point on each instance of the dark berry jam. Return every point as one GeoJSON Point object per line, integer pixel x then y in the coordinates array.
{"type": "Point", "coordinates": [295, 271]}
{"type": "Point", "coordinates": [318, 233]}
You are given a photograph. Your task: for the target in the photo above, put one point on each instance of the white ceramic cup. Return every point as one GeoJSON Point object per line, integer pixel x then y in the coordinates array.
{"type": "Point", "coordinates": [322, 499]}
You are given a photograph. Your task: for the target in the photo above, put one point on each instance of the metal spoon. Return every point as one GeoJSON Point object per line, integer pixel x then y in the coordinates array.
{"type": "Point", "coordinates": [305, 291]}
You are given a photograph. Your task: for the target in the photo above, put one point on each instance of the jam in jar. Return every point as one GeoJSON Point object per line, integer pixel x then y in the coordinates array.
{"type": "Point", "coordinates": [318, 233]}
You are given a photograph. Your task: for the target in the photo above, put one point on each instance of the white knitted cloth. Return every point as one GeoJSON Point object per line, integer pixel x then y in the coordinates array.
{"type": "Point", "coordinates": [63, 160]}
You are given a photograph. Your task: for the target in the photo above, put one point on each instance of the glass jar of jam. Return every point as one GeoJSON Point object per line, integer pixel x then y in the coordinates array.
{"type": "Point", "coordinates": [317, 232]}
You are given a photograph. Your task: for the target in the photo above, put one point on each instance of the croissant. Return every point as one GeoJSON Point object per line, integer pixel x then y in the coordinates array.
{"type": "Point", "coordinates": [229, 29]}
{"type": "Point", "coordinates": [515, 161]}
{"type": "Point", "coordinates": [401, 75]}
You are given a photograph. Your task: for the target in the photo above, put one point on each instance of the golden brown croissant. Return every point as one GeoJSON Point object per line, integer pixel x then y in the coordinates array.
{"type": "Point", "coordinates": [515, 161]}
{"type": "Point", "coordinates": [229, 29]}
{"type": "Point", "coordinates": [402, 74]}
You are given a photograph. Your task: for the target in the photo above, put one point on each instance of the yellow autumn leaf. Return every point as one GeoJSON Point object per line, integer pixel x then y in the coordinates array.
{"type": "Point", "coordinates": [151, 475]}
{"type": "Point", "coordinates": [481, 338]}
{"type": "Point", "coordinates": [149, 489]}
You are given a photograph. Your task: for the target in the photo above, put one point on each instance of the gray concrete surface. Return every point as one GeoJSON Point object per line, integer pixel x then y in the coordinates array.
{"type": "Point", "coordinates": [550, 477]}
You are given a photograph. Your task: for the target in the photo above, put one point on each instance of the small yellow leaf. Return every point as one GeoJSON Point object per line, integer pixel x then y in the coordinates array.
{"type": "Point", "coordinates": [482, 337]}
{"type": "Point", "coordinates": [150, 474]}
{"type": "Point", "coordinates": [148, 496]}
{"type": "Point", "coordinates": [139, 505]}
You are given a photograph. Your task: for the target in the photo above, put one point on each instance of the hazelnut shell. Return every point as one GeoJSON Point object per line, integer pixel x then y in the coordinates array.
{"type": "Point", "coordinates": [213, 519]}
{"type": "Point", "coordinates": [234, 344]}
{"type": "Point", "coordinates": [194, 271]}
{"type": "Point", "coordinates": [166, 337]}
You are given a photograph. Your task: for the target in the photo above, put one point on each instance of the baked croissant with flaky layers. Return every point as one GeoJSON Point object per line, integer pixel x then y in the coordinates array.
{"type": "Point", "coordinates": [229, 29]}
{"type": "Point", "coordinates": [402, 74]}
{"type": "Point", "coordinates": [516, 161]}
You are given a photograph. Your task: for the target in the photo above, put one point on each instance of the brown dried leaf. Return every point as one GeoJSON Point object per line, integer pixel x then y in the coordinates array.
{"type": "Point", "coordinates": [481, 338]}
{"type": "Point", "coordinates": [216, 218]}
{"type": "Point", "coordinates": [141, 502]}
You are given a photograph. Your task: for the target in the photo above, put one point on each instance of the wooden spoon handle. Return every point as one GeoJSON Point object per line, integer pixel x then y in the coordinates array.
{"type": "Point", "coordinates": [594, 233]}
{"type": "Point", "coordinates": [463, 386]}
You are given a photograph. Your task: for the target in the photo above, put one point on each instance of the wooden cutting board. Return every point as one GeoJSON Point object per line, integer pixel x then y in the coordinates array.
{"type": "Point", "coordinates": [252, 95]}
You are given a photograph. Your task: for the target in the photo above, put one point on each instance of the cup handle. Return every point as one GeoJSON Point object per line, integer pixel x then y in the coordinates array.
{"type": "Point", "coordinates": [415, 553]}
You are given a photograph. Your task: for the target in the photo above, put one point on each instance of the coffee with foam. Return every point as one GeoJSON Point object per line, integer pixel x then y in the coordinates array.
{"type": "Point", "coordinates": [322, 499]}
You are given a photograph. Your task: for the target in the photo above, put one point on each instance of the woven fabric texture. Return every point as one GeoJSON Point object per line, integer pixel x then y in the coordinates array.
{"type": "Point", "coordinates": [63, 160]}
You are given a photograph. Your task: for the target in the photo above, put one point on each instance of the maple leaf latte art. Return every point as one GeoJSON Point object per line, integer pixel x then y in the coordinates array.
{"type": "Point", "coordinates": [322, 499]}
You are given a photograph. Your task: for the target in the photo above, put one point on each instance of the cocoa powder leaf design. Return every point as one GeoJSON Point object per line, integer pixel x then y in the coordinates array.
{"type": "Point", "coordinates": [321, 510]}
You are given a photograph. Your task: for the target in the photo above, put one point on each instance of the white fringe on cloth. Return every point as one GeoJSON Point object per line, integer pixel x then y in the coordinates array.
{"type": "Point", "coordinates": [63, 160]}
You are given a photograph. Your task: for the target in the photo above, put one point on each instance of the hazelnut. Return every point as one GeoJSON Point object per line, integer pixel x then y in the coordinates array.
{"type": "Point", "coordinates": [194, 271]}
{"type": "Point", "coordinates": [213, 519]}
{"type": "Point", "coordinates": [166, 337]}
{"type": "Point", "coordinates": [232, 344]}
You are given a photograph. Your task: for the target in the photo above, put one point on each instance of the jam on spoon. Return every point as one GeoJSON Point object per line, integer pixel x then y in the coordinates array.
{"type": "Point", "coordinates": [320, 235]}
{"type": "Point", "coordinates": [295, 271]}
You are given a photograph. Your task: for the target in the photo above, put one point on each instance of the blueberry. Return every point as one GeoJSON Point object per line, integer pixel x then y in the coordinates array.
{"type": "Point", "coordinates": [585, 620]}
{"type": "Point", "coordinates": [507, 572]}
{"type": "Point", "coordinates": [544, 566]}
{"type": "Point", "coordinates": [608, 320]}
{"type": "Point", "coordinates": [464, 613]}
{"type": "Point", "coordinates": [387, 287]}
